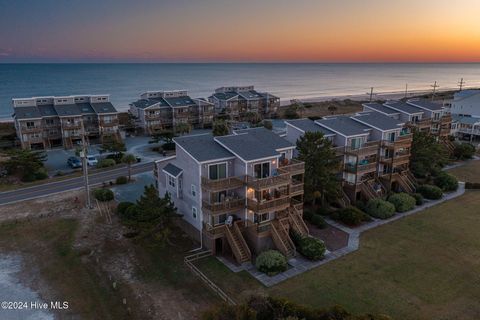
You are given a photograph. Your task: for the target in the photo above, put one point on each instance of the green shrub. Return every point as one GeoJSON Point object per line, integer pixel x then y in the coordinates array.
{"type": "Point", "coordinates": [318, 221]}
{"type": "Point", "coordinates": [472, 185]}
{"type": "Point", "coordinates": [402, 201]}
{"type": "Point", "coordinates": [105, 163]}
{"type": "Point", "coordinates": [103, 194]}
{"type": "Point", "coordinates": [121, 180]}
{"type": "Point", "coordinates": [308, 214]}
{"type": "Point", "coordinates": [380, 209]}
{"type": "Point", "coordinates": [464, 151]}
{"type": "Point", "coordinates": [430, 192]}
{"type": "Point", "coordinates": [418, 199]}
{"type": "Point", "coordinates": [123, 206]}
{"type": "Point", "coordinates": [169, 146]}
{"type": "Point", "coordinates": [324, 211]}
{"type": "Point", "coordinates": [446, 181]}
{"type": "Point", "coordinates": [41, 174]}
{"type": "Point", "coordinates": [351, 216]}
{"type": "Point", "coordinates": [312, 248]}
{"type": "Point", "coordinates": [271, 262]}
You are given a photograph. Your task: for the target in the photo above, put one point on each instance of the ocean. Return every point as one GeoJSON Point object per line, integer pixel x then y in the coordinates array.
{"type": "Point", "coordinates": [125, 82]}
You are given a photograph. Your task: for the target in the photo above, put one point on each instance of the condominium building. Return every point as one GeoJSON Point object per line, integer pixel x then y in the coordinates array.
{"type": "Point", "coordinates": [49, 122]}
{"type": "Point", "coordinates": [239, 194]}
{"type": "Point", "coordinates": [421, 114]}
{"type": "Point", "coordinates": [160, 110]}
{"type": "Point", "coordinates": [465, 110]}
{"type": "Point", "coordinates": [239, 102]}
{"type": "Point", "coordinates": [373, 149]}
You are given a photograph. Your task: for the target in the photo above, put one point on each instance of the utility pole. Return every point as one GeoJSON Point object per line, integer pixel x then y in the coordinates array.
{"type": "Point", "coordinates": [83, 155]}
{"type": "Point", "coordinates": [461, 83]}
{"type": "Point", "coordinates": [406, 90]}
{"type": "Point", "coordinates": [435, 86]}
{"type": "Point", "coordinates": [371, 94]}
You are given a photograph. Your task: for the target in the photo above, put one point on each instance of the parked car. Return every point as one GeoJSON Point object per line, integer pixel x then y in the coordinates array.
{"type": "Point", "coordinates": [91, 161]}
{"type": "Point", "coordinates": [74, 162]}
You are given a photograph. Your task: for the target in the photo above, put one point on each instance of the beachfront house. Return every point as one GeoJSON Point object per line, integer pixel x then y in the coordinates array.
{"type": "Point", "coordinates": [239, 194]}
{"type": "Point", "coordinates": [240, 102]}
{"type": "Point", "coordinates": [50, 122]}
{"type": "Point", "coordinates": [160, 110]}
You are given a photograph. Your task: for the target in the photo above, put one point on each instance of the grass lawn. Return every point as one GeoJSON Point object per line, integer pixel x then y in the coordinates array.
{"type": "Point", "coordinates": [469, 172]}
{"type": "Point", "coordinates": [421, 267]}
{"type": "Point", "coordinates": [47, 245]}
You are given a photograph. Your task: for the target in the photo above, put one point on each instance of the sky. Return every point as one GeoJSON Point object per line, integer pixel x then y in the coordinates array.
{"type": "Point", "coordinates": [239, 31]}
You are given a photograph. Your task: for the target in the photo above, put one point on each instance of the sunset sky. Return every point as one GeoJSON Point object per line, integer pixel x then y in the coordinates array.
{"type": "Point", "coordinates": [239, 31]}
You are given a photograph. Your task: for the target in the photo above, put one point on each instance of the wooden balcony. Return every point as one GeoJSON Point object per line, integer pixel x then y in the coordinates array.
{"type": "Point", "coordinates": [404, 141]}
{"type": "Point", "coordinates": [268, 182]}
{"type": "Point", "coordinates": [339, 151]}
{"type": "Point", "coordinates": [447, 118]}
{"type": "Point", "coordinates": [35, 139]}
{"type": "Point", "coordinates": [361, 168]}
{"type": "Point", "coordinates": [263, 206]}
{"type": "Point", "coordinates": [222, 184]}
{"type": "Point", "coordinates": [369, 148]}
{"type": "Point", "coordinates": [293, 167]}
{"type": "Point", "coordinates": [224, 206]}
{"type": "Point", "coordinates": [111, 123]}
{"type": "Point", "coordinates": [31, 129]}
{"type": "Point", "coordinates": [296, 188]}
{"type": "Point", "coordinates": [71, 125]}
{"type": "Point", "coordinates": [397, 160]}
{"type": "Point", "coordinates": [421, 124]}
{"type": "Point", "coordinates": [298, 205]}
{"type": "Point", "coordinates": [217, 231]}
{"type": "Point", "coordinates": [153, 117]}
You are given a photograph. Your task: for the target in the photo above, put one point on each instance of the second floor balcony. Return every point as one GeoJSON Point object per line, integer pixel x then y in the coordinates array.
{"type": "Point", "coordinates": [226, 205]}
{"type": "Point", "coordinates": [366, 149]}
{"type": "Point", "coordinates": [361, 167]}
{"type": "Point", "coordinates": [267, 205]}
{"type": "Point", "coordinates": [35, 128]}
{"type": "Point", "coordinates": [278, 179]}
{"type": "Point", "coordinates": [292, 166]}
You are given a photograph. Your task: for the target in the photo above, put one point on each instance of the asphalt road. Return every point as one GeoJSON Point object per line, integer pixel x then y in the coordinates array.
{"type": "Point", "coordinates": [49, 188]}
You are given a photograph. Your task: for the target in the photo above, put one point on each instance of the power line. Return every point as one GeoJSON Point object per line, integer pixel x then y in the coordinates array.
{"type": "Point", "coordinates": [435, 86]}
{"type": "Point", "coordinates": [461, 83]}
{"type": "Point", "coordinates": [370, 94]}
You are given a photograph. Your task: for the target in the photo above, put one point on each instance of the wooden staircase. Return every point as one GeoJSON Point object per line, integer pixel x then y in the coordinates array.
{"type": "Point", "coordinates": [282, 240]}
{"type": "Point", "coordinates": [297, 223]}
{"type": "Point", "coordinates": [344, 201]}
{"type": "Point", "coordinates": [367, 190]}
{"type": "Point", "coordinates": [404, 182]}
{"type": "Point", "coordinates": [449, 145]}
{"type": "Point", "coordinates": [238, 244]}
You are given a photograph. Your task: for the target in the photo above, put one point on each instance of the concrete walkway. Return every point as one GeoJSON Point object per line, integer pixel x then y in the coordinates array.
{"type": "Point", "coordinates": [300, 264]}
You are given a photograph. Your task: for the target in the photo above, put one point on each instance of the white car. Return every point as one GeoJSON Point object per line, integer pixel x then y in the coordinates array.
{"type": "Point", "coordinates": [91, 161]}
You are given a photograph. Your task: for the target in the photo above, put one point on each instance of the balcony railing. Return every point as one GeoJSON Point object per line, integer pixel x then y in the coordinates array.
{"type": "Point", "coordinates": [422, 123]}
{"type": "Point", "coordinates": [292, 166]}
{"type": "Point", "coordinates": [361, 167]}
{"type": "Point", "coordinates": [111, 123]}
{"type": "Point", "coordinates": [269, 205]}
{"type": "Point", "coordinates": [369, 148]}
{"type": "Point", "coordinates": [27, 129]}
{"type": "Point", "coordinates": [224, 206]}
{"type": "Point", "coordinates": [71, 125]}
{"type": "Point", "coordinates": [446, 118]}
{"type": "Point", "coordinates": [223, 184]}
{"type": "Point", "coordinates": [296, 188]}
{"type": "Point", "coordinates": [268, 182]}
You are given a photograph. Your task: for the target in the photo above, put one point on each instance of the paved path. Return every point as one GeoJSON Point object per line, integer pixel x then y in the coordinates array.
{"type": "Point", "coordinates": [300, 264]}
{"type": "Point", "coordinates": [50, 188]}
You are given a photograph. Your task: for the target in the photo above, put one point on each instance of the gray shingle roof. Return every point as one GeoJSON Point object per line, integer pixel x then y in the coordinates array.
{"type": "Point", "coordinates": [180, 101]}
{"type": "Point", "coordinates": [426, 104]}
{"type": "Point", "coordinates": [172, 170]}
{"type": "Point", "coordinates": [250, 95]}
{"type": "Point", "coordinates": [47, 110]}
{"type": "Point", "coordinates": [379, 121]}
{"type": "Point", "coordinates": [465, 120]}
{"type": "Point", "coordinates": [202, 147]}
{"type": "Point", "coordinates": [225, 96]}
{"type": "Point", "coordinates": [465, 94]}
{"type": "Point", "coordinates": [85, 108]}
{"type": "Point", "coordinates": [27, 113]}
{"type": "Point", "coordinates": [103, 107]}
{"type": "Point", "coordinates": [380, 108]}
{"type": "Point", "coordinates": [307, 125]}
{"type": "Point", "coordinates": [403, 107]}
{"type": "Point", "coordinates": [344, 125]}
{"type": "Point", "coordinates": [256, 143]}
{"type": "Point", "coordinates": [66, 110]}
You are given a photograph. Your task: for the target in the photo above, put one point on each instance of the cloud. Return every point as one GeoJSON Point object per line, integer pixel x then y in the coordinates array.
{"type": "Point", "coordinates": [6, 52]}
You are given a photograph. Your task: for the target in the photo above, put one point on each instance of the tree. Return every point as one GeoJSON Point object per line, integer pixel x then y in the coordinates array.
{"type": "Point", "coordinates": [464, 151]}
{"type": "Point", "coordinates": [268, 124]}
{"type": "Point", "coordinates": [165, 135]}
{"type": "Point", "coordinates": [321, 167]}
{"type": "Point", "coordinates": [332, 109]}
{"type": "Point", "coordinates": [152, 216]}
{"type": "Point", "coordinates": [428, 156]}
{"type": "Point", "coordinates": [112, 145]}
{"type": "Point", "coordinates": [129, 159]}
{"type": "Point", "coordinates": [27, 163]}
{"type": "Point", "coordinates": [291, 112]}
{"type": "Point", "coordinates": [183, 128]}
{"type": "Point", "coordinates": [220, 128]}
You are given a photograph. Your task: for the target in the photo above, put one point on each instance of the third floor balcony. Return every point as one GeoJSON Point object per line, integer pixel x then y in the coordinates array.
{"type": "Point", "coordinates": [223, 183]}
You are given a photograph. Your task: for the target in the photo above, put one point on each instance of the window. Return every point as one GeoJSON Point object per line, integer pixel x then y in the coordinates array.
{"type": "Point", "coordinates": [194, 191]}
{"type": "Point", "coordinates": [436, 116]}
{"type": "Point", "coordinates": [261, 217]}
{"type": "Point", "coordinates": [171, 181]}
{"type": "Point", "coordinates": [217, 171]}
{"type": "Point", "coordinates": [194, 213]}
{"type": "Point", "coordinates": [355, 143]}
{"type": "Point", "coordinates": [261, 170]}
{"type": "Point", "coordinates": [49, 122]}
{"type": "Point", "coordinates": [222, 218]}
{"type": "Point", "coordinates": [391, 136]}
{"type": "Point", "coordinates": [30, 124]}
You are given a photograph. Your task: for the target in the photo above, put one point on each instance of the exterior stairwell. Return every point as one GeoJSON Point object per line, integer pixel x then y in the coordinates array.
{"type": "Point", "coordinates": [344, 201]}
{"type": "Point", "coordinates": [238, 244]}
{"type": "Point", "coordinates": [368, 191]}
{"type": "Point", "coordinates": [282, 240]}
{"type": "Point", "coordinates": [297, 223]}
{"type": "Point", "coordinates": [404, 183]}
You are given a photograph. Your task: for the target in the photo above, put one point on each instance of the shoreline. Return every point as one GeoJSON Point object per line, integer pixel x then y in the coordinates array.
{"type": "Point", "coordinates": [384, 95]}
